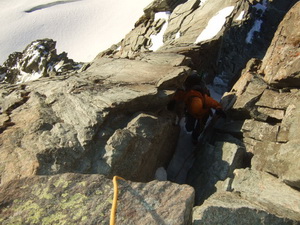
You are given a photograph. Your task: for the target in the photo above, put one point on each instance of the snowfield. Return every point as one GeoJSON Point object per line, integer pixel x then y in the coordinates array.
{"type": "Point", "coordinates": [82, 28]}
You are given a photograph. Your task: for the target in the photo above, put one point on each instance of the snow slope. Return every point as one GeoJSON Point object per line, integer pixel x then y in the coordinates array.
{"type": "Point", "coordinates": [82, 28]}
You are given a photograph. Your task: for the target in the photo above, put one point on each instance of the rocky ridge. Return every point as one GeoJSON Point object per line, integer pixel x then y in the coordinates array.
{"type": "Point", "coordinates": [111, 119]}
{"type": "Point", "coordinates": [39, 59]}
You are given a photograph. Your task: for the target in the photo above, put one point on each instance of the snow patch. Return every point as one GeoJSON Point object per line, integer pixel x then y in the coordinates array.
{"type": "Point", "coordinates": [157, 40]}
{"type": "Point", "coordinates": [25, 77]}
{"type": "Point", "coordinates": [241, 16]}
{"type": "Point", "coordinates": [256, 28]}
{"type": "Point", "coordinates": [214, 25]}
{"type": "Point", "coordinates": [177, 35]}
{"type": "Point", "coordinates": [202, 2]}
{"type": "Point", "coordinates": [257, 24]}
{"type": "Point", "coordinates": [215, 95]}
{"type": "Point", "coordinates": [262, 6]}
{"type": "Point", "coordinates": [81, 28]}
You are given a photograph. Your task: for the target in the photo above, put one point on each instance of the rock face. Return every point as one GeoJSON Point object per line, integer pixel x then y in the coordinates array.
{"type": "Point", "coordinates": [86, 199]}
{"type": "Point", "coordinates": [262, 123]}
{"type": "Point", "coordinates": [286, 42]}
{"type": "Point", "coordinates": [39, 59]}
{"type": "Point", "coordinates": [110, 118]}
{"type": "Point", "coordinates": [219, 36]}
{"type": "Point", "coordinates": [101, 128]}
{"type": "Point", "coordinates": [230, 208]}
{"type": "Point", "coordinates": [264, 189]}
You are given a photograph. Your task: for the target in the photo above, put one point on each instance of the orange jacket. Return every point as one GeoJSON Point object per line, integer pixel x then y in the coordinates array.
{"type": "Point", "coordinates": [197, 104]}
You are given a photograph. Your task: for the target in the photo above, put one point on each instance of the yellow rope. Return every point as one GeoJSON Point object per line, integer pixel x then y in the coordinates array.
{"type": "Point", "coordinates": [115, 201]}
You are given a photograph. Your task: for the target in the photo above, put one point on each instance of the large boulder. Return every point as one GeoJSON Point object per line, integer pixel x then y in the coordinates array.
{"type": "Point", "coordinates": [87, 199]}
{"type": "Point", "coordinates": [264, 189]}
{"type": "Point", "coordinates": [231, 208]}
{"type": "Point", "coordinates": [140, 148]}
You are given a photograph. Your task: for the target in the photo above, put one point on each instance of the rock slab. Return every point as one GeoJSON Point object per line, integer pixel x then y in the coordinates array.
{"type": "Point", "coordinates": [86, 199]}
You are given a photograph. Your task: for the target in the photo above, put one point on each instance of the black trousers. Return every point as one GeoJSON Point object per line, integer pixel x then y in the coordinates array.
{"type": "Point", "coordinates": [195, 125]}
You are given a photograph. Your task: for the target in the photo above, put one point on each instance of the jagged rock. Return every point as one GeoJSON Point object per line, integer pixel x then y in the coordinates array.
{"type": "Point", "coordinates": [265, 190]}
{"type": "Point", "coordinates": [219, 36]}
{"type": "Point", "coordinates": [39, 59]}
{"type": "Point", "coordinates": [260, 131]}
{"type": "Point", "coordinates": [247, 90]}
{"type": "Point", "coordinates": [63, 124]}
{"type": "Point", "coordinates": [110, 117]}
{"type": "Point", "coordinates": [262, 121]}
{"type": "Point", "coordinates": [178, 16]}
{"type": "Point", "coordinates": [284, 47]}
{"type": "Point", "coordinates": [162, 5]}
{"type": "Point", "coordinates": [271, 133]}
{"type": "Point", "coordinates": [194, 24]}
{"type": "Point", "coordinates": [230, 208]}
{"type": "Point", "coordinates": [279, 157]}
{"type": "Point", "coordinates": [86, 199]}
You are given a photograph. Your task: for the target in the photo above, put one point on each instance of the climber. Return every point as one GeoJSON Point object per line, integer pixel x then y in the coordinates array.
{"type": "Point", "coordinates": [193, 82]}
{"type": "Point", "coordinates": [197, 109]}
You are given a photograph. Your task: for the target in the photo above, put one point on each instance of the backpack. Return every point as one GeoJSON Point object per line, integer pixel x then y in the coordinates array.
{"type": "Point", "coordinates": [197, 83]}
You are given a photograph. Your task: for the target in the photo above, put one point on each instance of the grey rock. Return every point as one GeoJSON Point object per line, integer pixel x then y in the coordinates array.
{"type": "Point", "coordinates": [260, 131]}
{"type": "Point", "coordinates": [230, 208]}
{"type": "Point", "coordinates": [214, 163]}
{"type": "Point", "coordinates": [39, 59]}
{"type": "Point", "coordinates": [280, 156]}
{"type": "Point", "coordinates": [249, 94]}
{"type": "Point", "coordinates": [277, 100]}
{"type": "Point", "coordinates": [87, 199]}
{"type": "Point", "coordinates": [177, 17]}
{"type": "Point", "coordinates": [264, 189]}
{"type": "Point", "coordinates": [62, 124]}
{"type": "Point", "coordinates": [286, 42]}
{"type": "Point", "coordinates": [290, 124]}
{"type": "Point", "coordinates": [141, 147]}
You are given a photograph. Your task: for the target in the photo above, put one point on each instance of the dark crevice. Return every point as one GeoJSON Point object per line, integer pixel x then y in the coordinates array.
{"type": "Point", "coordinates": [24, 99]}
{"type": "Point", "coordinates": [272, 174]}
{"type": "Point", "coordinates": [273, 121]}
{"type": "Point", "coordinates": [5, 125]}
{"type": "Point", "coordinates": [8, 122]}
{"type": "Point", "coordinates": [247, 160]}
{"type": "Point", "coordinates": [295, 188]}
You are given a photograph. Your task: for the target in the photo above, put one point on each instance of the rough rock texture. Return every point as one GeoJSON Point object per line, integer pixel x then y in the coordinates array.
{"type": "Point", "coordinates": [110, 118]}
{"type": "Point", "coordinates": [39, 59]}
{"type": "Point", "coordinates": [263, 121]}
{"type": "Point", "coordinates": [90, 122]}
{"type": "Point", "coordinates": [247, 30]}
{"type": "Point", "coordinates": [287, 43]}
{"type": "Point", "coordinates": [230, 208]}
{"type": "Point", "coordinates": [214, 163]}
{"type": "Point", "coordinates": [264, 189]}
{"type": "Point", "coordinates": [87, 199]}
{"type": "Point", "coordinates": [271, 119]}
{"type": "Point", "coordinates": [143, 144]}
